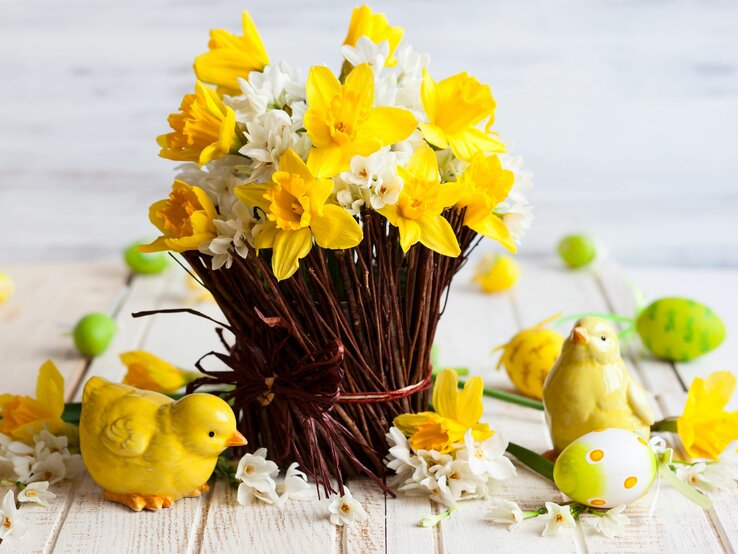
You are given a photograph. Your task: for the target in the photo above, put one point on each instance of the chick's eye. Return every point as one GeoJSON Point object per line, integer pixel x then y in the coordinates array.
{"type": "Point", "coordinates": [603, 337]}
{"type": "Point", "coordinates": [211, 434]}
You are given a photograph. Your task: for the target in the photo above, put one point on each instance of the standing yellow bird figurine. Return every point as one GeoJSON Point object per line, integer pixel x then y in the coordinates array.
{"type": "Point", "coordinates": [589, 388]}
{"type": "Point", "coordinates": [146, 450]}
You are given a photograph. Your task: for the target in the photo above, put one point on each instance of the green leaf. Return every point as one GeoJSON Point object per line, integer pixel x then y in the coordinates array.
{"type": "Point", "coordinates": [542, 466]}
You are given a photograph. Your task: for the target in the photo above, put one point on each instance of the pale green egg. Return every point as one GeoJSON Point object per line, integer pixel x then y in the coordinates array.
{"type": "Point", "coordinates": [679, 329]}
{"type": "Point", "coordinates": [606, 468]}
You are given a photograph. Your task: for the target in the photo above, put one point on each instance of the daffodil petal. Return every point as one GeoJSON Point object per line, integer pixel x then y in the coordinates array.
{"type": "Point", "coordinates": [423, 164]}
{"type": "Point", "coordinates": [494, 228]}
{"type": "Point", "coordinates": [470, 141]}
{"type": "Point", "coordinates": [50, 388]}
{"type": "Point", "coordinates": [408, 423]}
{"type": "Point", "coordinates": [390, 125]}
{"type": "Point", "coordinates": [336, 228]}
{"type": "Point", "coordinates": [409, 232]}
{"type": "Point", "coordinates": [321, 86]}
{"type": "Point", "coordinates": [429, 97]}
{"type": "Point", "coordinates": [719, 387]}
{"type": "Point", "coordinates": [253, 194]}
{"type": "Point", "coordinates": [359, 85]}
{"type": "Point", "coordinates": [289, 248]}
{"type": "Point", "coordinates": [445, 391]}
{"type": "Point", "coordinates": [436, 233]}
{"type": "Point", "coordinates": [469, 406]}
{"type": "Point", "coordinates": [327, 161]}
{"type": "Point", "coordinates": [434, 135]}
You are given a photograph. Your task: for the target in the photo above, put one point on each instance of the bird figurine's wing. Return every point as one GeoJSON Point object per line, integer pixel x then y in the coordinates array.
{"type": "Point", "coordinates": [639, 403]}
{"type": "Point", "coordinates": [127, 436]}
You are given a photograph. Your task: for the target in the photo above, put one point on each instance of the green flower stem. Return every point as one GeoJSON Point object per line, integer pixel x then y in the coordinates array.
{"type": "Point", "coordinates": [510, 397]}
{"type": "Point", "coordinates": [533, 513]}
{"type": "Point", "coordinates": [433, 520]}
{"type": "Point", "coordinates": [665, 425]}
{"type": "Point", "coordinates": [542, 466]}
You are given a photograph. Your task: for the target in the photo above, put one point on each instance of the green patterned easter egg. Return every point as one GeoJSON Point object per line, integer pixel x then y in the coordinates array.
{"type": "Point", "coordinates": [679, 329]}
{"type": "Point", "coordinates": [606, 468]}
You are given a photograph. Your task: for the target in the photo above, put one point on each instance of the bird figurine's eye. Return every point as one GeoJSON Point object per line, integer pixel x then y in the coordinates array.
{"type": "Point", "coordinates": [603, 337]}
{"type": "Point", "coordinates": [211, 434]}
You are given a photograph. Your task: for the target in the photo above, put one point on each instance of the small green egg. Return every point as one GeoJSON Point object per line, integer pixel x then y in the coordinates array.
{"type": "Point", "coordinates": [93, 334]}
{"type": "Point", "coordinates": [679, 329]}
{"type": "Point", "coordinates": [577, 250]}
{"type": "Point", "coordinates": [145, 263]}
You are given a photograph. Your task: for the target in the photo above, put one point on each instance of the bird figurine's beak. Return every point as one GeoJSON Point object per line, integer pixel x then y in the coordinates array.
{"type": "Point", "coordinates": [579, 335]}
{"type": "Point", "coordinates": [236, 439]}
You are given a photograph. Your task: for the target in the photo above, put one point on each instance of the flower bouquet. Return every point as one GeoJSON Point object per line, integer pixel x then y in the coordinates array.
{"type": "Point", "coordinates": [328, 217]}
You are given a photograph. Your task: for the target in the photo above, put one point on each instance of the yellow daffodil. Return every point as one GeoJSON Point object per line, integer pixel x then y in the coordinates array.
{"type": "Point", "coordinates": [231, 57]}
{"type": "Point", "coordinates": [455, 106]}
{"type": "Point", "coordinates": [296, 210]}
{"type": "Point", "coordinates": [455, 413]}
{"type": "Point", "coordinates": [342, 123]}
{"type": "Point", "coordinates": [375, 27]}
{"type": "Point", "coordinates": [417, 213]}
{"type": "Point", "coordinates": [485, 185]}
{"type": "Point", "coordinates": [705, 427]}
{"type": "Point", "coordinates": [204, 128]}
{"type": "Point", "coordinates": [23, 416]}
{"type": "Point", "coordinates": [185, 219]}
{"type": "Point", "coordinates": [146, 371]}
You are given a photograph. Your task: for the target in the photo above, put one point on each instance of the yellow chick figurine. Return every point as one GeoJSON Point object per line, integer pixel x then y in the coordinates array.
{"type": "Point", "coordinates": [590, 388]}
{"type": "Point", "coordinates": [146, 450]}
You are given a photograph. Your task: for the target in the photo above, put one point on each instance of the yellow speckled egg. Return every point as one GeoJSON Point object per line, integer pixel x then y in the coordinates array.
{"type": "Point", "coordinates": [529, 357]}
{"type": "Point", "coordinates": [606, 468]}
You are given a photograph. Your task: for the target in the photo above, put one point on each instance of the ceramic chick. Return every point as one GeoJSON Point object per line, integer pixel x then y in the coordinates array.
{"type": "Point", "coordinates": [589, 387]}
{"type": "Point", "coordinates": [146, 450]}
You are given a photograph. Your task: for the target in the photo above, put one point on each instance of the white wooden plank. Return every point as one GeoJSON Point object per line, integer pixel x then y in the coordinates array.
{"type": "Point", "coordinates": [367, 536]}
{"type": "Point", "coordinates": [403, 532]}
{"type": "Point", "coordinates": [48, 301]}
{"type": "Point", "coordinates": [93, 524]}
{"type": "Point", "coordinates": [260, 528]}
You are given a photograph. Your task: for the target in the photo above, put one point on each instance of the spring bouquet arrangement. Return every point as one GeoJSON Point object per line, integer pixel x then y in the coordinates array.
{"type": "Point", "coordinates": [327, 216]}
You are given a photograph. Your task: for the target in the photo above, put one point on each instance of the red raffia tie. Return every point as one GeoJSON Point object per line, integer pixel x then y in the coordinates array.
{"type": "Point", "coordinates": [369, 397]}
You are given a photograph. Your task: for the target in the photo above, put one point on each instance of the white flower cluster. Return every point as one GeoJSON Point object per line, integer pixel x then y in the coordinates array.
{"type": "Point", "coordinates": [258, 481]}
{"type": "Point", "coordinates": [469, 472]}
{"type": "Point", "coordinates": [49, 459]}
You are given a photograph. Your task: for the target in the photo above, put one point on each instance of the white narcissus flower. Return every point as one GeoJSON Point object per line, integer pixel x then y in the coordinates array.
{"type": "Point", "coordinates": [37, 493]}
{"type": "Point", "coordinates": [488, 458]}
{"type": "Point", "coordinates": [367, 51]}
{"type": "Point", "coordinates": [295, 486]}
{"type": "Point", "coordinates": [412, 63]}
{"type": "Point", "coordinates": [613, 523]}
{"type": "Point", "coordinates": [236, 232]}
{"type": "Point", "coordinates": [708, 476]}
{"type": "Point", "coordinates": [366, 171]}
{"type": "Point", "coordinates": [557, 519]}
{"type": "Point", "coordinates": [257, 474]}
{"type": "Point", "coordinates": [11, 521]}
{"type": "Point", "coordinates": [350, 197]}
{"type": "Point", "coordinates": [48, 466]}
{"type": "Point", "coordinates": [276, 87]}
{"type": "Point", "coordinates": [218, 179]}
{"type": "Point", "coordinates": [506, 512]}
{"type": "Point", "coordinates": [345, 509]}
{"type": "Point", "coordinates": [515, 211]}
{"type": "Point", "coordinates": [455, 482]}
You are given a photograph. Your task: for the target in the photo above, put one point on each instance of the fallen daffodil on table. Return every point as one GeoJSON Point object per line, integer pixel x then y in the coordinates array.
{"type": "Point", "coordinates": [36, 493]}
{"type": "Point", "coordinates": [345, 509]}
{"type": "Point", "coordinates": [22, 416]}
{"type": "Point", "coordinates": [149, 372]}
{"type": "Point", "coordinates": [13, 523]}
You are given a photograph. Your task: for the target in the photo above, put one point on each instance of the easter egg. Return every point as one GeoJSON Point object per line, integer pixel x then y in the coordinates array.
{"type": "Point", "coordinates": [577, 250]}
{"type": "Point", "coordinates": [7, 288]}
{"type": "Point", "coordinates": [679, 329]}
{"type": "Point", "coordinates": [145, 263]}
{"type": "Point", "coordinates": [606, 468]}
{"type": "Point", "coordinates": [497, 273]}
{"type": "Point", "coordinates": [529, 357]}
{"type": "Point", "coordinates": [93, 333]}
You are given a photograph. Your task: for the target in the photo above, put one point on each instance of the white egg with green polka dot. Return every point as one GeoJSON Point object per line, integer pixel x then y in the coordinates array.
{"type": "Point", "coordinates": [606, 468]}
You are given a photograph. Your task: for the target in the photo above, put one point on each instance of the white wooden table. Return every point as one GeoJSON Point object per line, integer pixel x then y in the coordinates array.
{"type": "Point", "coordinates": [50, 298]}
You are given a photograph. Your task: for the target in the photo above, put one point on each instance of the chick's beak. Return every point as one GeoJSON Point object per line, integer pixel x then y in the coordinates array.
{"type": "Point", "coordinates": [579, 335]}
{"type": "Point", "coordinates": [236, 439]}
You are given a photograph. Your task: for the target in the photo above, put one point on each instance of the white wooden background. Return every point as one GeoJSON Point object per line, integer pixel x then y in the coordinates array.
{"type": "Point", "coordinates": [51, 297]}
{"type": "Point", "coordinates": [626, 111]}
